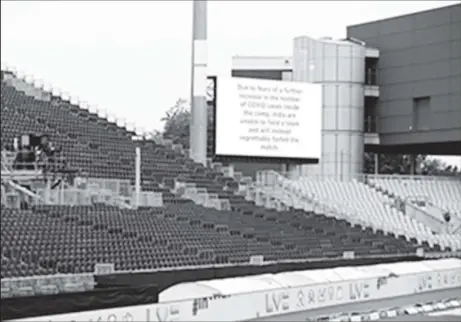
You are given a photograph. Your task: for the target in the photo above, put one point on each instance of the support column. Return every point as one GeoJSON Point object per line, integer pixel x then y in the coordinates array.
{"type": "Point", "coordinates": [376, 163]}
{"type": "Point", "coordinates": [198, 126]}
{"type": "Point", "coordinates": [412, 164]}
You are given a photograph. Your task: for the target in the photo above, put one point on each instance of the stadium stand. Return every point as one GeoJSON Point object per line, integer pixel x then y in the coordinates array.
{"type": "Point", "coordinates": [189, 215]}
{"type": "Point", "coordinates": [358, 202]}
{"type": "Point", "coordinates": [445, 192]}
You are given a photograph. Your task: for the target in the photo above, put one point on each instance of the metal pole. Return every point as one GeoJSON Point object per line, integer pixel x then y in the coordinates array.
{"type": "Point", "coordinates": [376, 163]}
{"type": "Point", "coordinates": [341, 169]}
{"type": "Point", "coordinates": [198, 126]}
{"type": "Point", "coordinates": [412, 164]}
{"type": "Point", "coordinates": [137, 175]}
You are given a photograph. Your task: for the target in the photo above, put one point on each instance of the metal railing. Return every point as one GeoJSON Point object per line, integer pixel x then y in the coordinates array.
{"type": "Point", "coordinates": [46, 164]}
{"type": "Point", "coordinates": [370, 124]}
{"type": "Point", "coordinates": [371, 77]}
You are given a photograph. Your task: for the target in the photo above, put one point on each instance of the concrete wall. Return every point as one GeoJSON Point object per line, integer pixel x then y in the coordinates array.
{"type": "Point", "coordinates": [420, 57]}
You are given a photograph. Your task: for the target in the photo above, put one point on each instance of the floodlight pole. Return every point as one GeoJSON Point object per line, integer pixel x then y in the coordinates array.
{"type": "Point", "coordinates": [199, 117]}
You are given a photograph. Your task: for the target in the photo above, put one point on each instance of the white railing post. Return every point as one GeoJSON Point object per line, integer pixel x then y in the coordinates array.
{"type": "Point", "coordinates": [137, 176]}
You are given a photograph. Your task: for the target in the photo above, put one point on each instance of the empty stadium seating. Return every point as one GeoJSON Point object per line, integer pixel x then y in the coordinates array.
{"type": "Point", "coordinates": [444, 192]}
{"type": "Point", "coordinates": [62, 239]}
{"type": "Point", "coordinates": [357, 201]}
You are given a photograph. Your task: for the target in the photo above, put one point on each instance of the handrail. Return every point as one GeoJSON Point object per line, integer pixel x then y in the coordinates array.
{"type": "Point", "coordinates": [419, 208]}
{"type": "Point", "coordinates": [442, 210]}
{"type": "Point", "coordinates": [23, 190]}
{"type": "Point", "coordinates": [457, 230]}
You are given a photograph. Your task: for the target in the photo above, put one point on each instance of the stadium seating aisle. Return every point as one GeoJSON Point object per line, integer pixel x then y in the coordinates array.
{"type": "Point", "coordinates": [62, 239]}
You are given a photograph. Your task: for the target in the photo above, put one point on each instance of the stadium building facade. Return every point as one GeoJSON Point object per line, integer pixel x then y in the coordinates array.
{"type": "Point", "coordinates": [392, 86]}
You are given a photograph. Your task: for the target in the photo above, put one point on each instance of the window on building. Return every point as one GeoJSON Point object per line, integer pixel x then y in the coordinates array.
{"type": "Point", "coordinates": [421, 113]}
{"type": "Point", "coordinates": [371, 118]}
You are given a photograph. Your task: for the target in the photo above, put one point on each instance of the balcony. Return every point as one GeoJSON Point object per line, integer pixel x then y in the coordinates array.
{"type": "Point", "coordinates": [370, 129]}
{"type": "Point", "coordinates": [372, 53]}
{"type": "Point", "coordinates": [371, 82]}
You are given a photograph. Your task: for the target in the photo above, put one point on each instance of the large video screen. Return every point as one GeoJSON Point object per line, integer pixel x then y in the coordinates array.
{"type": "Point", "coordinates": [267, 119]}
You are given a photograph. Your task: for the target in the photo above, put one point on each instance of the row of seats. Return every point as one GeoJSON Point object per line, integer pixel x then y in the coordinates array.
{"type": "Point", "coordinates": [72, 239]}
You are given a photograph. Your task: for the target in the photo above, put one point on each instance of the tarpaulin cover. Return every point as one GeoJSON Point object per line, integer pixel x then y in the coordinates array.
{"type": "Point", "coordinates": [98, 299]}
{"type": "Point", "coordinates": [125, 279]}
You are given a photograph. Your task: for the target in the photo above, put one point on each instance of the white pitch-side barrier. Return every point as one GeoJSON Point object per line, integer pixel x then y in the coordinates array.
{"type": "Point", "coordinates": [245, 298]}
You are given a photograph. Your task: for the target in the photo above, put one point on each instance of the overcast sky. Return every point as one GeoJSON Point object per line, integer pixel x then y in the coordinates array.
{"type": "Point", "coordinates": [133, 58]}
